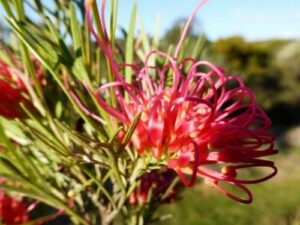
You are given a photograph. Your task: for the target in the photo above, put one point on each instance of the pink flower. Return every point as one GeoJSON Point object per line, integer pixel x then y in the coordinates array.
{"type": "Point", "coordinates": [204, 123]}
{"type": "Point", "coordinates": [156, 186]}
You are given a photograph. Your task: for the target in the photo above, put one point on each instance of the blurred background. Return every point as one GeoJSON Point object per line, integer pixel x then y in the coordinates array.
{"type": "Point", "coordinates": [259, 41]}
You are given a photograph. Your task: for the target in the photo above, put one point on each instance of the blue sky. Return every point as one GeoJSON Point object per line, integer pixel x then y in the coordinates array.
{"type": "Point", "coordinates": [252, 19]}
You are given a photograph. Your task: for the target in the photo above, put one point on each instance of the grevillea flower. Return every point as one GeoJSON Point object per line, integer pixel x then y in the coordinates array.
{"type": "Point", "coordinates": [13, 90]}
{"type": "Point", "coordinates": [156, 186]}
{"type": "Point", "coordinates": [205, 123]}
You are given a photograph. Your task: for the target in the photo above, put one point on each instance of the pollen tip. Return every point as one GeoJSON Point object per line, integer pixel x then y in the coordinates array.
{"type": "Point", "coordinates": [228, 170]}
{"type": "Point", "coordinates": [88, 4]}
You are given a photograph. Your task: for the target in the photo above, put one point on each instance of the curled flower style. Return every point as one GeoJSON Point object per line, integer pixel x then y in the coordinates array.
{"type": "Point", "coordinates": [205, 123]}
{"type": "Point", "coordinates": [12, 211]}
{"type": "Point", "coordinates": [13, 90]}
{"type": "Point", "coordinates": [157, 186]}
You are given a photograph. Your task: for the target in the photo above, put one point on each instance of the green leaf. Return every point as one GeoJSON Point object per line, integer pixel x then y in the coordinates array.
{"type": "Point", "coordinates": [9, 166]}
{"type": "Point", "coordinates": [113, 21]}
{"type": "Point", "coordinates": [198, 47]}
{"type": "Point", "coordinates": [44, 58]}
{"type": "Point", "coordinates": [20, 9]}
{"type": "Point", "coordinates": [101, 187]}
{"type": "Point", "coordinates": [7, 8]}
{"type": "Point", "coordinates": [83, 141]}
{"type": "Point", "coordinates": [79, 68]}
{"type": "Point", "coordinates": [18, 161]}
{"type": "Point", "coordinates": [155, 41]}
{"type": "Point", "coordinates": [145, 38]}
{"type": "Point", "coordinates": [14, 132]}
{"type": "Point", "coordinates": [46, 198]}
{"type": "Point", "coordinates": [58, 109]}
{"type": "Point", "coordinates": [129, 45]}
{"type": "Point", "coordinates": [131, 129]}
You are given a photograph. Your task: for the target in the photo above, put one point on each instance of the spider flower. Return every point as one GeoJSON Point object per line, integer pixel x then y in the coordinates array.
{"type": "Point", "coordinates": [13, 90]}
{"type": "Point", "coordinates": [205, 123]}
{"type": "Point", "coordinates": [157, 186]}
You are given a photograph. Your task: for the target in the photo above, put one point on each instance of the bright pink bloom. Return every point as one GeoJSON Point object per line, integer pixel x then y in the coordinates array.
{"type": "Point", "coordinates": [204, 123]}
{"type": "Point", "coordinates": [157, 184]}
{"type": "Point", "coordinates": [12, 211]}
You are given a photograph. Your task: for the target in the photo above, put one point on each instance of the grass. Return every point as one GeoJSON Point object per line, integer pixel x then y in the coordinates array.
{"type": "Point", "coordinates": [275, 202]}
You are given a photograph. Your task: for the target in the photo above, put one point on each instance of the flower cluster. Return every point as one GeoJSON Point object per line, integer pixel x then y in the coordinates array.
{"type": "Point", "coordinates": [12, 211]}
{"type": "Point", "coordinates": [205, 122]}
{"type": "Point", "coordinates": [13, 90]}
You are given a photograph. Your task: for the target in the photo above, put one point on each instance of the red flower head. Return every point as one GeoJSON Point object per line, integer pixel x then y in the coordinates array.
{"type": "Point", "coordinates": [156, 186]}
{"type": "Point", "coordinates": [205, 123]}
{"type": "Point", "coordinates": [12, 211]}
